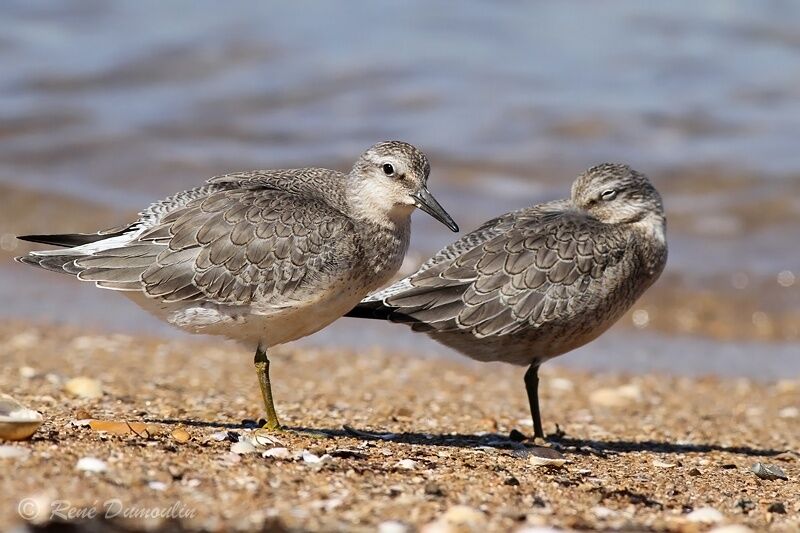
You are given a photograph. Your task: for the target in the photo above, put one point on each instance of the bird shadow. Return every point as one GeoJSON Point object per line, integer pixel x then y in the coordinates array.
{"type": "Point", "coordinates": [568, 445]}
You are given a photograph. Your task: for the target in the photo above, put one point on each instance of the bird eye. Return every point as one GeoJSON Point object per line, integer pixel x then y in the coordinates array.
{"type": "Point", "coordinates": [609, 194]}
{"type": "Point", "coordinates": [388, 169]}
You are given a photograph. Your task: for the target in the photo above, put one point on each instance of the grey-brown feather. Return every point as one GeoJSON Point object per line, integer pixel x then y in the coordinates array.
{"type": "Point", "coordinates": [244, 237]}
{"type": "Point", "coordinates": [514, 279]}
{"type": "Point", "coordinates": [528, 285]}
{"type": "Point", "coordinates": [262, 256]}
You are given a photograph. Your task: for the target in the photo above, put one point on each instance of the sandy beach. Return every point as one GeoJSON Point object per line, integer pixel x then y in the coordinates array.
{"type": "Point", "coordinates": [428, 444]}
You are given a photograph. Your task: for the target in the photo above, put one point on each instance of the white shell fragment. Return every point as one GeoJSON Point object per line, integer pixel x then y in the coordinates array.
{"type": "Point", "coordinates": [277, 453]}
{"type": "Point", "coordinates": [662, 464]}
{"type": "Point", "coordinates": [91, 464]}
{"type": "Point", "coordinates": [314, 459]}
{"type": "Point", "coordinates": [705, 515]}
{"type": "Point", "coordinates": [542, 456]}
{"type": "Point", "coordinates": [13, 452]}
{"type": "Point", "coordinates": [17, 422]}
{"type": "Point", "coordinates": [243, 447]}
{"type": "Point", "coordinates": [406, 464]}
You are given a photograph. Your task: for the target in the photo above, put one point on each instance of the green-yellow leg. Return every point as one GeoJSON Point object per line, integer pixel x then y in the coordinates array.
{"type": "Point", "coordinates": [262, 369]}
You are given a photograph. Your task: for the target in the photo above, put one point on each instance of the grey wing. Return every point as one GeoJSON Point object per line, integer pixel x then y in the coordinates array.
{"type": "Point", "coordinates": [536, 271]}
{"type": "Point", "coordinates": [233, 246]}
{"type": "Point", "coordinates": [487, 230]}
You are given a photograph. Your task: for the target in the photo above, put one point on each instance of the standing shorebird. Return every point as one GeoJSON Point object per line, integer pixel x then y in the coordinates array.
{"type": "Point", "coordinates": [262, 257]}
{"type": "Point", "coordinates": [541, 281]}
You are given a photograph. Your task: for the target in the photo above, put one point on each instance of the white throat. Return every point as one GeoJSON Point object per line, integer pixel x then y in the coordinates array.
{"type": "Point", "coordinates": [373, 202]}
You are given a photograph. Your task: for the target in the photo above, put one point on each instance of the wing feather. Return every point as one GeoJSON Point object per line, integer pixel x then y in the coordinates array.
{"type": "Point", "coordinates": [530, 268]}
{"type": "Point", "coordinates": [266, 236]}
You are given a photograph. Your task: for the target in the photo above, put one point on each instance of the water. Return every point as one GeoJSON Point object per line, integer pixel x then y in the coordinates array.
{"type": "Point", "coordinates": [116, 104]}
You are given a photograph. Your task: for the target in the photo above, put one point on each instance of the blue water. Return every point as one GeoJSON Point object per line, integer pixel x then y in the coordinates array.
{"type": "Point", "coordinates": [678, 82]}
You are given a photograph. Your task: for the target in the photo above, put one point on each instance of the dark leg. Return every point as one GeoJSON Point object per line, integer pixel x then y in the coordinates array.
{"type": "Point", "coordinates": [262, 369]}
{"type": "Point", "coordinates": [532, 387]}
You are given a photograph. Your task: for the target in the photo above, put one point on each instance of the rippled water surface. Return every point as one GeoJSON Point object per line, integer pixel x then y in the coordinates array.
{"type": "Point", "coordinates": [105, 106]}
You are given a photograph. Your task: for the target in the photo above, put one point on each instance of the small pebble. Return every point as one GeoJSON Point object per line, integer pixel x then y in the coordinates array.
{"type": "Point", "coordinates": [157, 485]}
{"type": "Point", "coordinates": [406, 464]}
{"type": "Point", "coordinates": [617, 397]}
{"type": "Point", "coordinates": [91, 464]}
{"type": "Point", "coordinates": [789, 412]}
{"type": "Point", "coordinates": [705, 515]}
{"type": "Point", "coordinates": [13, 452]}
{"type": "Point", "coordinates": [84, 387]}
{"type": "Point", "coordinates": [457, 518]}
{"type": "Point", "coordinates": [393, 526]}
{"type": "Point", "coordinates": [603, 512]}
{"type": "Point", "coordinates": [661, 464]}
{"type": "Point", "coordinates": [777, 507]}
{"type": "Point", "coordinates": [694, 472]}
{"type": "Point", "coordinates": [561, 384]}
{"type": "Point", "coordinates": [27, 372]}
{"type": "Point", "coordinates": [314, 459]}
{"type": "Point", "coordinates": [230, 458]}
{"type": "Point", "coordinates": [83, 414]}
{"type": "Point", "coordinates": [511, 481]}
{"type": "Point", "coordinates": [745, 505]}
{"type": "Point", "coordinates": [769, 471]}
{"type": "Point", "coordinates": [277, 453]}
{"type": "Point", "coordinates": [434, 489]}
{"type": "Point", "coordinates": [181, 435]}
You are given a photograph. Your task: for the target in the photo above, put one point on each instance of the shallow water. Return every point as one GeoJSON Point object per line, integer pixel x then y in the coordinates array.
{"type": "Point", "coordinates": [118, 104]}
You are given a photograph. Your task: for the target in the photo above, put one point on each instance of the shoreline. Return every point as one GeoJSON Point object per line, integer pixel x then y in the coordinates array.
{"type": "Point", "coordinates": [432, 437]}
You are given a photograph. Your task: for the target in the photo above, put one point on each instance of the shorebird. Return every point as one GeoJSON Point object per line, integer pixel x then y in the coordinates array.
{"type": "Point", "coordinates": [262, 257]}
{"type": "Point", "coordinates": [538, 282]}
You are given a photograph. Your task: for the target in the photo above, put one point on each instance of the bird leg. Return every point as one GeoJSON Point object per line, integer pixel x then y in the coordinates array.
{"type": "Point", "coordinates": [262, 369]}
{"type": "Point", "coordinates": [532, 387]}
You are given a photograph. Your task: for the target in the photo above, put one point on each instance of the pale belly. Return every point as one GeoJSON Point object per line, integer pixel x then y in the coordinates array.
{"type": "Point", "coordinates": [252, 326]}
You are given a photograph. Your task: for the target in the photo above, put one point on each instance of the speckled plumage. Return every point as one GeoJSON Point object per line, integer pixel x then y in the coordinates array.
{"type": "Point", "coordinates": [538, 282]}
{"type": "Point", "coordinates": [265, 256]}
{"type": "Point", "coordinates": [249, 243]}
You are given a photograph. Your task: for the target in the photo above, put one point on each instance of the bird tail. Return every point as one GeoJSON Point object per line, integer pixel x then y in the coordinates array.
{"type": "Point", "coordinates": [375, 310]}
{"type": "Point", "coordinates": [63, 259]}
{"type": "Point", "coordinates": [71, 240]}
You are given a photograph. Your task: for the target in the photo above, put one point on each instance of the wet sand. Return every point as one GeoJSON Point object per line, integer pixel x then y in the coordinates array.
{"type": "Point", "coordinates": [431, 440]}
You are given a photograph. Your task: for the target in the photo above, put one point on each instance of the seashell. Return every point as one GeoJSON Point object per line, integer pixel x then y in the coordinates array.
{"type": "Point", "coordinates": [17, 422]}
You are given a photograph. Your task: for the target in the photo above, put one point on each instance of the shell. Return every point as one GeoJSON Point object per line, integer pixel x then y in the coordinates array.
{"type": "Point", "coordinates": [17, 422]}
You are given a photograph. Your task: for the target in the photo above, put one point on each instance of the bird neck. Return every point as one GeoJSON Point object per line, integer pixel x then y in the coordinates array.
{"type": "Point", "coordinates": [653, 228]}
{"type": "Point", "coordinates": [370, 203]}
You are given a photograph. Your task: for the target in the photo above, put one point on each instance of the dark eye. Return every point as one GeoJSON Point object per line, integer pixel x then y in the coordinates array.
{"type": "Point", "coordinates": [388, 169]}
{"type": "Point", "coordinates": [609, 194]}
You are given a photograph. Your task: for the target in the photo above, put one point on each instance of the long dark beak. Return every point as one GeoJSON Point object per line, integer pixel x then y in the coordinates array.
{"type": "Point", "coordinates": [425, 201]}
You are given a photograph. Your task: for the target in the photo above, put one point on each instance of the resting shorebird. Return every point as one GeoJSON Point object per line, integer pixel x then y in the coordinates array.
{"type": "Point", "coordinates": [262, 257]}
{"type": "Point", "coordinates": [541, 281]}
